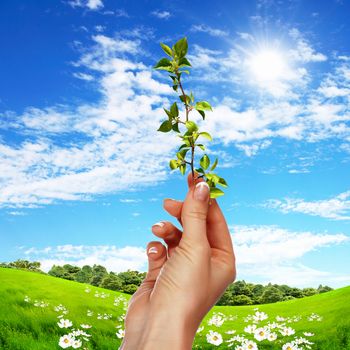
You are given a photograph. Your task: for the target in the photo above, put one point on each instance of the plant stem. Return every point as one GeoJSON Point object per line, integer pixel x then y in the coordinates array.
{"type": "Point", "coordinates": [187, 112]}
{"type": "Point", "coordinates": [192, 157]}
{"type": "Point", "coordinates": [184, 96]}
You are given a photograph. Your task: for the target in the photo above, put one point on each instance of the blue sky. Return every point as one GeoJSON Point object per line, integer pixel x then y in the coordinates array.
{"type": "Point", "coordinates": [84, 172]}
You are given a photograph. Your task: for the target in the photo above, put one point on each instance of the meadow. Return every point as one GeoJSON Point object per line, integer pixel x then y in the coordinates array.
{"type": "Point", "coordinates": [43, 312]}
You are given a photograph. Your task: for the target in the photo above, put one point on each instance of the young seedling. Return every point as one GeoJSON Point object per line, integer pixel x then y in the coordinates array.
{"type": "Point", "coordinates": [177, 64]}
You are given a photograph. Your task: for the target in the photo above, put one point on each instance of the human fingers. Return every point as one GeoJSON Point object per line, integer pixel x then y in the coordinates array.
{"type": "Point", "coordinates": [169, 232]}
{"type": "Point", "coordinates": [194, 213]}
{"type": "Point", "coordinates": [173, 207]}
{"type": "Point", "coordinates": [219, 236]}
{"type": "Point", "coordinates": [156, 253]}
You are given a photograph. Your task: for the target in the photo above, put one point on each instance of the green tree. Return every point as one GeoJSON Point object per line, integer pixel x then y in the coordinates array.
{"type": "Point", "coordinates": [25, 264]}
{"type": "Point", "coordinates": [324, 289]}
{"type": "Point", "coordinates": [308, 292]}
{"type": "Point", "coordinates": [130, 288]}
{"type": "Point", "coordinates": [226, 298]}
{"type": "Point", "coordinates": [271, 295]}
{"type": "Point", "coordinates": [242, 300]}
{"type": "Point", "coordinates": [130, 277]}
{"type": "Point", "coordinates": [296, 293]}
{"type": "Point", "coordinates": [98, 273]}
{"type": "Point", "coordinates": [84, 275]}
{"type": "Point", "coordinates": [112, 281]}
{"type": "Point", "coordinates": [57, 271]}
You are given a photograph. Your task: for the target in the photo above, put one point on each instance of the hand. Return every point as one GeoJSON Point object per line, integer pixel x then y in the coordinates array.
{"type": "Point", "coordinates": [184, 279]}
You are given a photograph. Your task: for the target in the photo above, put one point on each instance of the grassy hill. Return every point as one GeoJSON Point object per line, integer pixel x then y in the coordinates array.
{"type": "Point", "coordinates": [30, 304]}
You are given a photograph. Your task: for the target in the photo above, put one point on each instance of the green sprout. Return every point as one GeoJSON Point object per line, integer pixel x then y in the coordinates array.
{"type": "Point", "coordinates": [177, 65]}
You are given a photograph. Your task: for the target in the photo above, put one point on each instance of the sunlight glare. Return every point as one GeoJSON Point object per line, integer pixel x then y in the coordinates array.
{"type": "Point", "coordinates": [267, 65]}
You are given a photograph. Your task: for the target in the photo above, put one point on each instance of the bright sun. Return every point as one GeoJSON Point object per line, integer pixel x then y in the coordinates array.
{"type": "Point", "coordinates": [267, 65]}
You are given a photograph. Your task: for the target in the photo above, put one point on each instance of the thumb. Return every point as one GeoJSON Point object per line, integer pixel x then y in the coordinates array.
{"type": "Point", "coordinates": [194, 212]}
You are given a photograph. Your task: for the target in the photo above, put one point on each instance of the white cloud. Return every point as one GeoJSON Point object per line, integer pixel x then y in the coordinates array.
{"type": "Point", "coordinates": [83, 76]}
{"type": "Point", "coordinates": [272, 254]}
{"type": "Point", "coordinates": [336, 208]}
{"type": "Point", "coordinates": [161, 14]}
{"type": "Point", "coordinates": [206, 29]}
{"type": "Point", "coordinates": [252, 149]}
{"type": "Point", "coordinates": [263, 254]}
{"type": "Point", "coordinates": [129, 200]}
{"type": "Point", "coordinates": [90, 4]}
{"type": "Point", "coordinates": [94, 4]}
{"type": "Point", "coordinates": [113, 258]}
{"type": "Point", "coordinates": [104, 154]}
{"type": "Point", "coordinates": [303, 51]}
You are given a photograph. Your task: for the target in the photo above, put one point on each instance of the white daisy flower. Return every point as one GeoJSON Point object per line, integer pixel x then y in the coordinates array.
{"type": "Point", "coordinates": [86, 326]}
{"type": "Point", "coordinates": [308, 334]}
{"type": "Point", "coordinates": [250, 345]}
{"type": "Point", "coordinates": [287, 331]}
{"type": "Point", "coordinates": [271, 336]}
{"type": "Point", "coordinates": [120, 333]}
{"type": "Point", "coordinates": [214, 338]}
{"type": "Point", "coordinates": [260, 334]}
{"type": "Point", "coordinates": [259, 316]}
{"type": "Point", "coordinates": [250, 328]}
{"type": "Point", "coordinates": [289, 346]}
{"type": "Point", "coordinates": [65, 341]}
{"type": "Point", "coordinates": [200, 329]}
{"type": "Point", "coordinates": [76, 344]}
{"type": "Point", "coordinates": [64, 323]}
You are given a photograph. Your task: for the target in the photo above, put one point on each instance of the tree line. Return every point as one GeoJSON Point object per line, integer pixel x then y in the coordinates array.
{"type": "Point", "coordinates": [237, 293]}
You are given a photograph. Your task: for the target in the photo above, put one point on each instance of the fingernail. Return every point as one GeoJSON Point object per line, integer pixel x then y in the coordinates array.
{"type": "Point", "coordinates": [201, 191]}
{"type": "Point", "coordinates": [152, 250]}
{"type": "Point", "coordinates": [160, 224]}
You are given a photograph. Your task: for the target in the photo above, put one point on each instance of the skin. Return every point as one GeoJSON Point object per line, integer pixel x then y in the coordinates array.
{"type": "Point", "coordinates": [185, 277]}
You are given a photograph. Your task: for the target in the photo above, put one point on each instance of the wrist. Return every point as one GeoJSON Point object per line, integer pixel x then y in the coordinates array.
{"type": "Point", "coordinates": [168, 330]}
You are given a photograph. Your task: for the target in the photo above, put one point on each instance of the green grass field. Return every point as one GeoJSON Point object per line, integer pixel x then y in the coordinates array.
{"type": "Point", "coordinates": [26, 326]}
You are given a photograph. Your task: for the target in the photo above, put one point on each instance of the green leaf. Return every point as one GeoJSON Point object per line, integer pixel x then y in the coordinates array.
{"type": "Point", "coordinates": [182, 168]}
{"type": "Point", "coordinates": [167, 49]}
{"type": "Point", "coordinates": [191, 126]}
{"type": "Point", "coordinates": [202, 114]}
{"type": "Point", "coordinates": [203, 106]}
{"type": "Point", "coordinates": [185, 99]}
{"type": "Point", "coordinates": [204, 162]}
{"type": "Point", "coordinates": [185, 71]}
{"type": "Point", "coordinates": [174, 111]}
{"type": "Point", "coordinates": [168, 113]}
{"type": "Point", "coordinates": [191, 97]}
{"type": "Point", "coordinates": [182, 146]}
{"type": "Point", "coordinates": [222, 182]}
{"type": "Point", "coordinates": [182, 154]}
{"type": "Point", "coordinates": [173, 164]}
{"type": "Point", "coordinates": [174, 79]}
{"type": "Point", "coordinates": [213, 177]}
{"type": "Point", "coordinates": [175, 87]}
{"type": "Point", "coordinates": [176, 127]}
{"type": "Point", "coordinates": [184, 62]}
{"type": "Point", "coordinates": [206, 135]}
{"type": "Point", "coordinates": [164, 63]}
{"type": "Point", "coordinates": [181, 48]}
{"type": "Point", "coordinates": [200, 170]}
{"type": "Point", "coordinates": [215, 192]}
{"type": "Point", "coordinates": [165, 126]}
{"type": "Point", "coordinates": [214, 165]}
{"type": "Point", "coordinates": [202, 147]}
